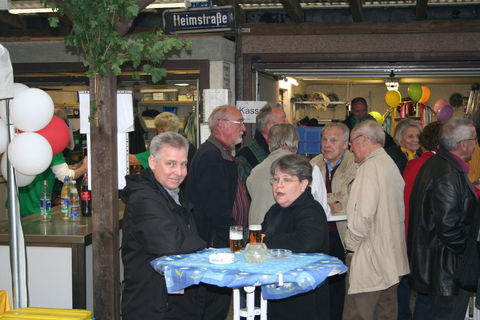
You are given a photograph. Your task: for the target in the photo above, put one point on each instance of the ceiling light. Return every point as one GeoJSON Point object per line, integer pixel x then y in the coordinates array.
{"type": "Point", "coordinates": [164, 5]}
{"type": "Point", "coordinates": [292, 81]}
{"type": "Point", "coordinates": [391, 83]}
{"type": "Point", "coordinates": [182, 84]}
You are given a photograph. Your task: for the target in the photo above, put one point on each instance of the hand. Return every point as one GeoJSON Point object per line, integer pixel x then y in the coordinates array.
{"type": "Point", "coordinates": [336, 207]}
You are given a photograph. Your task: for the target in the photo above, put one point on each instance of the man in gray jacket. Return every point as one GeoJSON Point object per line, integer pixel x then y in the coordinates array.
{"type": "Point", "coordinates": [283, 140]}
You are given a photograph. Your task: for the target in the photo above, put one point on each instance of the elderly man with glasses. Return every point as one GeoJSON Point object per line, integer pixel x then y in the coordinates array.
{"type": "Point", "coordinates": [375, 236]}
{"type": "Point", "coordinates": [217, 192]}
{"type": "Point", "coordinates": [442, 213]}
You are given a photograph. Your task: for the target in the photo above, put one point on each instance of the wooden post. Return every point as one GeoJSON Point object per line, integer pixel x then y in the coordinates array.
{"type": "Point", "coordinates": [106, 286]}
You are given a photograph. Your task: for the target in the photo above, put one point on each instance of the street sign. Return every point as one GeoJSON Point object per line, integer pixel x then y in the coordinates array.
{"type": "Point", "coordinates": [198, 20]}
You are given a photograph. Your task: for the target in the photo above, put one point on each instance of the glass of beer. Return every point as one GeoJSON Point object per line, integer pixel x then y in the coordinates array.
{"type": "Point", "coordinates": [236, 238]}
{"type": "Point", "coordinates": [255, 233]}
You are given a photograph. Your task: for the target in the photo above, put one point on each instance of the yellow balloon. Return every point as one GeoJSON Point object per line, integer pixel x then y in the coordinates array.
{"type": "Point", "coordinates": [425, 94]}
{"type": "Point", "coordinates": [377, 116]}
{"type": "Point", "coordinates": [393, 98]}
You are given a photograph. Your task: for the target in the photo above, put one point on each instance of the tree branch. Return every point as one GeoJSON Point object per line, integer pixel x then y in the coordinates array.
{"type": "Point", "coordinates": [122, 25]}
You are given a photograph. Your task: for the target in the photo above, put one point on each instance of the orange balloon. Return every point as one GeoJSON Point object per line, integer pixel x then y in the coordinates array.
{"type": "Point", "coordinates": [425, 94]}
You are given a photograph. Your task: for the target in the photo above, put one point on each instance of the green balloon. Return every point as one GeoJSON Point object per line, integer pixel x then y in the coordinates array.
{"type": "Point", "coordinates": [415, 92]}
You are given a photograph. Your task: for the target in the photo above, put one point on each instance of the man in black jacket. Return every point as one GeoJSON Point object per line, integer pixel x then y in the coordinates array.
{"type": "Point", "coordinates": [442, 208]}
{"type": "Point", "coordinates": [157, 222]}
{"type": "Point", "coordinates": [218, 193]}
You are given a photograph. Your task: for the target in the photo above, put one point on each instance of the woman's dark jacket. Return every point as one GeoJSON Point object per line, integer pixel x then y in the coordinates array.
{"type": "Point", "coordinates": [395, 152]}
{"type": "Point", "coordinates": [442, 207]}
{"type": "Point", "coordinates": [153, 226]}
{"type": "Point", "coordinates": [301, 227]}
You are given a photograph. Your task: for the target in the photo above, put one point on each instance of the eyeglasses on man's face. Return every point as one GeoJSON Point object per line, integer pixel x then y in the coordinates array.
{"type": "Point", "coordinates": [239, 122]}
{"type": "Point", "coordinates": [353, 139]}
{"type": "Point", "coordinates": [469, 139]}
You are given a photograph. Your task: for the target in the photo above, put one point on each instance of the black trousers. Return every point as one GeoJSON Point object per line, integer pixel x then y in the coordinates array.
{"type": "Point", "coordinates": [336, 284]}
{"type": "Point", "coordinates": [448, 308]}
{"type": "Point", "coordinates": [201, 302]}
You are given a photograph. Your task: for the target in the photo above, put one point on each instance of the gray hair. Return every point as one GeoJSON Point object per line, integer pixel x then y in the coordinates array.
{"type": "Point", "coordinates": [172, 139]}
{"type": "Point", "coordinates": [264, 116]}
{"type": "Point", "coordinates": [167, 121]}
{"type": "Point", "coordinates": [340, 125]}
{"type": "Point", "coordinates": [295, 165]}
{"type": "Point", "coordinates": [372, 130]}
{"type": "Point", "coordinates": [218, 113]}
{"type": "Point", "coordinates": [453, 131]}
{"type": "Point", "coordinates": [402, 126]}
{"type": "Point", "coordinates": [283, 135]}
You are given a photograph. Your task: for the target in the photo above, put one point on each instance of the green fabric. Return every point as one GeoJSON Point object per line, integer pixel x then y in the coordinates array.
{"type": "Point", "coordinates": [143, 158]}
{"type": "Point", "coordinates": [29, 196]}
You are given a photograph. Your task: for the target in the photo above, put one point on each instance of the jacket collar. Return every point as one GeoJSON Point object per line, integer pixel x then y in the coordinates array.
{"type": "Point", "coordinates": [170, 201]}
{"type": "Point", "coordinates": [223, 151]}
{"type": "Point", "coordinates": [261, 141]}
{"type": "Point", "coordinates": [448, 156]}
{"type": "Point", "coordinates": [373, 154]}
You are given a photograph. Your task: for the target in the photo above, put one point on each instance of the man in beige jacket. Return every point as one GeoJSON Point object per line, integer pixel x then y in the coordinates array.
{"type": "Point", "coordinates": [375, 236]}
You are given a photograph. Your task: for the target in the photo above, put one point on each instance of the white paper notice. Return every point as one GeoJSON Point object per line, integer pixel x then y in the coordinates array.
{"type": "Point", "coordinates": [204, 132]}
{"type": "Point", "coordinates": [213, 98]}
{"type": "Point", "coordinates": [124, 125]}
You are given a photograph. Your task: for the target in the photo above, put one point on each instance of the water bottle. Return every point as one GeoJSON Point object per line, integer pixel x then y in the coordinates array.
{"type": "Point", "coordinates": [74, 204]}
{"type": "Point", "coordinates": [86, 198]}
{"type": "Point", "coordinates": [64, 198]}
{"type": "Point", "coordinates": [45, 203]}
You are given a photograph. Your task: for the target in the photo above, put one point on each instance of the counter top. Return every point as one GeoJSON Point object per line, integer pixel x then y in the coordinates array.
{"type": "Point", "coordinates": [57, 231]}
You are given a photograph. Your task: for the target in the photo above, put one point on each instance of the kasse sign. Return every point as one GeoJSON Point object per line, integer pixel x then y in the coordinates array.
{"type": "Point", "coordinates": [198, 20]}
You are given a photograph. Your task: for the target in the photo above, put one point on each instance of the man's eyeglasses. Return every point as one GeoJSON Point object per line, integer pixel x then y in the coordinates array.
{"type": "Point", "coordinates": [469, 139]}
{"type": "Point", "coordinates": [353, 139]}
{"type": "Point", "coordinates": [240, 123]}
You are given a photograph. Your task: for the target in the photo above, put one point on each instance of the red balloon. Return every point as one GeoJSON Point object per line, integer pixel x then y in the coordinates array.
{"type": "Point", "coordinates": [57, 134]}
{"type": "Point", "coordinates": [439, 104]}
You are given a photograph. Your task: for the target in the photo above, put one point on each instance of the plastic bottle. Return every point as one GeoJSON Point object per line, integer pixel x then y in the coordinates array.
{"type": "Point", "coordinates": [74, 204]}
{"type": "Point", "coordinates": [45, 203]}
{"type": "Point", "coordinates": [86, 198]}
{"type": "Point", "coordinates": [64, 198]}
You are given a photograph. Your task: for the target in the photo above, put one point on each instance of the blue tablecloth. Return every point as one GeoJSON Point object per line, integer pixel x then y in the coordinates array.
{"type": "Point", "coordinates": [300, 272]}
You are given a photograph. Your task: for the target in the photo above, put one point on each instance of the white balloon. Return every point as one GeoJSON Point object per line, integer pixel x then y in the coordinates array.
{"type": "Point", "coordinates": [31, 110]}
{"type": "Point", "coordinates": [17, 88]}
{"type": "Point", "coordinates": [30, 153]}
{"type": "Point", "coordinates": [22, 179]}
{"type": "Point", "coordinates": [3, 136]}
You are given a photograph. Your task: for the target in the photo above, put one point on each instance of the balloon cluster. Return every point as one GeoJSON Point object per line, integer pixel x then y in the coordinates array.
{"type": "Point", "coordinates": [416, 93]}
{"type": "Point", "coordinates": [40, 134]}
{"type": "Point", "coordinates": [443, 110]}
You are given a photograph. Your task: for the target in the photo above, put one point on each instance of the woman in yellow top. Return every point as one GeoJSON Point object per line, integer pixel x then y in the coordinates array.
{"type": "Point", "coordinates": [407, 134]}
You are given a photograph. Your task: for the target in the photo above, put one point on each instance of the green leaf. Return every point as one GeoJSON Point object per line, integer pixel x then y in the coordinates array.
{"type": "Point", "coordinates": [53, 22]}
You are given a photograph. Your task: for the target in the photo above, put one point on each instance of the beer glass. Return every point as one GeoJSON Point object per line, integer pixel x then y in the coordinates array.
{"type": "Point", "coordinates": [255, 233]}
{"type": "Point", "coordinates": [236, 238]}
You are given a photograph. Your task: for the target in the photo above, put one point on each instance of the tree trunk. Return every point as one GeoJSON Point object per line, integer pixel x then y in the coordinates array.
{"type": "Point", "coordinates": [103, 130]}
